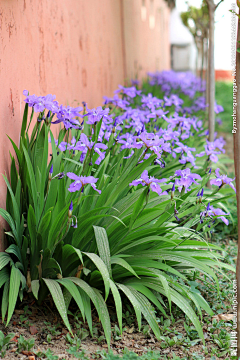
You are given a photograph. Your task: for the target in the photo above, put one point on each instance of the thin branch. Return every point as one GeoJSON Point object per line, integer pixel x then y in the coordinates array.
{"type": "Point", "coordinates": [218, 4]}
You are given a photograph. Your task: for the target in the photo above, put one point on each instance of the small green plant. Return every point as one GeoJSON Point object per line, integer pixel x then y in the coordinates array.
{"type": "Point", "coordinates": [191, 332]}
{"type": "Point", "coordinates": [74, 351]}
{"type": "Point", "coordinates": [49, 355]}
{"type": "Point", "coordinates": [49, 338]}
{"type": "Point", "coordinates": [146, 331]}
{"type": "Point", "coordinates": [25, 344]}
{"type": "Point", "coordinates": [52, 329]}
{"type": "Point", "coordinates": [80, 331]}
{"type": "Point", "coordinates": [76, 341]}
{"type": "Point", "coordinates": [5, 342]}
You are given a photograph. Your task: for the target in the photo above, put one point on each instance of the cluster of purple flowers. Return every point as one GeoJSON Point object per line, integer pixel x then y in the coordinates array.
{"type": "Point", "coordinates": [65, 114]}
{"type": "Point", "coordinates": [142, 121]}
{"type": "Point", "coordinates": [184, 82]}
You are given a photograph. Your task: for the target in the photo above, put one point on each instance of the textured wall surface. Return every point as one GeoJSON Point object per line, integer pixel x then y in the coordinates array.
{"type": "Point", "coordinates": [78, 50]}
{"type": "Point", "coordinates": [146, 36]}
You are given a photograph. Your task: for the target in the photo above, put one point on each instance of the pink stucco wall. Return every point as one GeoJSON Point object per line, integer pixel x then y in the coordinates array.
{"type": "Point", "coordinates": [78, 50]}
{"type": "Point", "coordinates": [146, 36]}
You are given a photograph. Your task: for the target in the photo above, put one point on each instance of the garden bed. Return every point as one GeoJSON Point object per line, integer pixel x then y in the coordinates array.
{"type": "Point", "coordinates": [118, 223]}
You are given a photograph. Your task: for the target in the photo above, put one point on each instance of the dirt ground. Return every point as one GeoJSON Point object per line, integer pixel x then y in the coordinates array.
{"type": "Point", "coordinates": [35, 327]}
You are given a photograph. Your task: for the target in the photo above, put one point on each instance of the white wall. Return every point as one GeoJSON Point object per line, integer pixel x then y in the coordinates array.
{"type": "Point", "coordinates": [222, 31]}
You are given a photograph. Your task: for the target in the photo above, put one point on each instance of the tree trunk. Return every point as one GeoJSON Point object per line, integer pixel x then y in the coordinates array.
{"type": "Point", "coordinates": [197, 57]}
{"type": "Point", "coordinates": [236, 142]}
{"type": "Point", "coordinates": [211, 80]}
{"type": "Point", "coordinates": [206, 76]}
{"type": "Point", "coordinates": [202, 60]}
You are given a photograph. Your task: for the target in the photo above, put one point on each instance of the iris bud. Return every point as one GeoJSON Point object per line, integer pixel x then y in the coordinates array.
{"type": "Point", "coordinates": [50, 173]}
{"type": "Point", "coordinates": [201, 195]}
{"type": "Point", "coordinates": [172, 192]}
{"type": "Point", "coordinates": [70, 209]}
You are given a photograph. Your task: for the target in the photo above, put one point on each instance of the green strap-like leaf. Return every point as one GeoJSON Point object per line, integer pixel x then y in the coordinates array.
{"type": "Point", "coordinates": [14, 249]}
{"type": "Point", "coordinates": [32, 184]}
{"type": "Point", "coordinates": [4, 259]}
{"type": "Point", "coordinates": [24, 122]}
{"type": "Point", "coordinates": [31, 222]}
{"type": "Point", "coordinates": [104, 317]}
{"type": "Point", "coordinates": [87, 308]}
{"type": "Point", "coordinates": [134, 302]}
{"type": "Point", "coordinates": [148, 293]}
{"type": "Point", "coordinates": [103, 270]}
{"type": "Point", "coordinates": [35, 288]}
{"type": "Point", "coordinates": [5, 299]}
{"type": "Point", "coordinates": [15, 279]}
{"type": "Point", "coordinates": [178, 299]}
{"type": "Point", "coordinates": [17, 151]}
{"type": "Point", "coordinates": [4, 276]}
{"type": "Point", "coordinates": [71, 287]}
{"type": "Point", "coordinates": [123, 263]}
{"type": "Point", "coordinates": [103, 246]}
{"type": "Point", "coordinates": [138, 206]}
{"type": "Point", "coordinates": [44, 224]}
{"type": "Point", "coordinates": [118, 303]}
{"type": "Point", "coordinates": [164, 282]}
{"type": "Point", "coordinates": [15, 210]}
{"type": "Point", "coordinates": [147, 310]}
{"type": "Point", "coordinates": [91, 293]}
{"type": "Point", "coordinates": [10, 221]}
{"type": "Point", "coordinates": [67, 297]}
{"type": "Point", "coordinates": [58, 299]}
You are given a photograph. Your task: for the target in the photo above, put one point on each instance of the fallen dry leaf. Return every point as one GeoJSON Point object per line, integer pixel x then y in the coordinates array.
{"type": "Point", "coordinates": [31, 357]}
{"type": "Point", "coordinates": [130, 330]}
{"type": "Point", "coordinates": [33, 330]}
{"type": "Point", "coordinates": [15, 338]}
{"type": "Point", "coordinates": [223, 317]}
{"type": "Point", "coordinates": [19, 312]}
{"type": "Point", "coordinates": [55, 320]}
{"type": "Point", "coordinates": [28, 353]}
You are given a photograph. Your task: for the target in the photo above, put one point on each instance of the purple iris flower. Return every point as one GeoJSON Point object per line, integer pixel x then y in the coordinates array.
{"type": "Point", "coordinates": [169, 134]}
{"type": "Point", "coordinates": [218, 212]}
{"type": "Point", "coordinates": [210, 151]}
{"type": "Point", "coordinates": [186, 178]}
{"type": "Point", "coordinates": [130, 91]}
{"type": "Point", "coordinates": [81, 181]}
{"type": "Point", "coordinates": [221, 180]}
{"type": "Point", "coordinates": [188, 158]}
{"type": "Point", "coordinates": [150, 181]}
{"type": "Point", "coordinates": [157, 114]}
{"type": "Point", "coordinates": [84, 145]}
{"type": "Point", "coordinates": [128, 141]}
{"type": "Point", "coordinates": [95, 115]}
{"type": "Point", "coordinates": [67, 116]}
{"type": "Point", "coordinates": [218, 108]}
{"type": "Point", "coordinates": [151, 102]}
{"type": "Point", "coordinates": [135, 82]}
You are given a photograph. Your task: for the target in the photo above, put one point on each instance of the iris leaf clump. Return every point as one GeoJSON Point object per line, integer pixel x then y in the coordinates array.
{"type": "Point", "coordinates": [119, 210]}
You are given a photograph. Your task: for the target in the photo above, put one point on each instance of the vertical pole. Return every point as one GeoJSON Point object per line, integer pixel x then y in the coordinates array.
{"type": "Point", "coordinates": [211, 84]}
{"type": "Point", "coordinates": [236, 143]}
